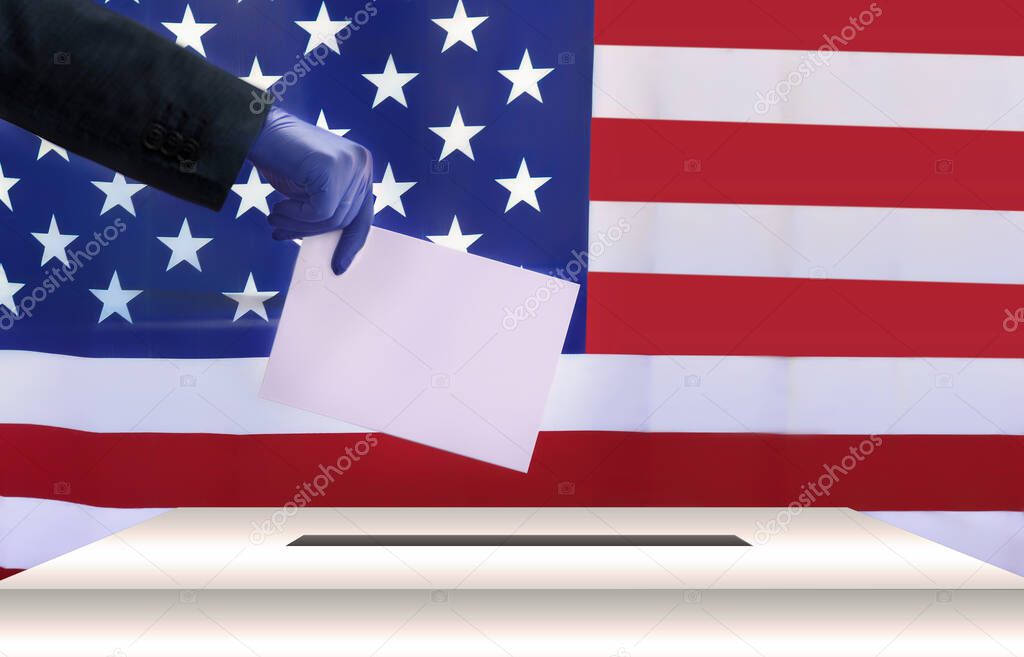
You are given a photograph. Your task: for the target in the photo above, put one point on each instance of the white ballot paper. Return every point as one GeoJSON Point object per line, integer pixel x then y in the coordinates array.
{"type": "Point", "coordinates": [422, 342]}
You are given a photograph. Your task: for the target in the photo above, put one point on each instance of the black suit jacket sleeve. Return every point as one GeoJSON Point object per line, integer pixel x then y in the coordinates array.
{"type": "Point", "coordinates": [102, 86]}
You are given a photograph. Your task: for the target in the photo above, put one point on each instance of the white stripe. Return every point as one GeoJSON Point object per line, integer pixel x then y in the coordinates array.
{"type": "Point", "coordinates": [591, 392]}
{"type": "Point", "coordinates": [788, 395]}
{"type": "Point", "coordinates": [33, 531]}
{"type": "Point", "coordinates": [974, 92]}
{"type": "Point", "coordinates": [969, 246]}
{"type": "Point", "coordinates": [153, 395]}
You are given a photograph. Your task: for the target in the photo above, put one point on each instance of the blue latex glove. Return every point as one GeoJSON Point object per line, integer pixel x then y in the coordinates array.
{"type": "Point", "coordinates": [328, 181]}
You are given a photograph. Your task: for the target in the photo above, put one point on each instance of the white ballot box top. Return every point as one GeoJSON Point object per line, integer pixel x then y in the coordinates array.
{"type": "Point", "coordinates": [514, 548]}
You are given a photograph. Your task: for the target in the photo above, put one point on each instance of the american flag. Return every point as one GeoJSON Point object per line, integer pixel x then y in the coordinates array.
{"type": "Point", "coordinates": [797, 227]}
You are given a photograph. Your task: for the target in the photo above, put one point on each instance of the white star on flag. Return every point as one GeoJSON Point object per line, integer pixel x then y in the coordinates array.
{"type": "Point", "coordinates": [256, 77]}
{"type": "Point", "coordinates": [253, 194]}
{"type": "Point", "coordinates": [523, 188]}
{"type": "Point", "coordinates": [455, 239]}
{"type": "Point", "coordinates": [390, 83]}
{"type": "Point", "coordinates": [459, 28]}
{"type": "Point", "coordinates": [526, 79]}
{"type": "Point", "coordinates": [457, 135]}
{"type": "Point", "coordinates": [46, 147]}
{"type": "Point", "coordinates": [250, 299]}
{"type": "Point", "coordinates": [184, 247]}
{"type": "Point", "coordinates": [5, 188]}
{"type": "Point", "coordinates": [7, 291]}
{"type": "Point", "coordinates": [115, 300]}
{"type": "Point", "coordinates": [54, 243]}
{"type": "Point", "coordinates": [322, 31]}
{"type": "Point", "coordinates": [388, 192]}
{"type": "Point", "coordinates": [321, 122]}
{"type": "Point", "coordinates": [119, 192]}
{"type": "Point", "coordinates": [188, 33]}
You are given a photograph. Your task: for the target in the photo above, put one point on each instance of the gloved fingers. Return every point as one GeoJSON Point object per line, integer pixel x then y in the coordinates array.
{"type": "Point", "coordinates": [287, 229]}
{"type": "Point", "coordinates": [324, 191]}
{"type": "Point", "coordinates": [348, 182]}
{"type": "Point", "coordinates": [353, 237]}
{"type": "Point", "coordinates": [345, 214]}
{"type": "Point", "coordinates": [280, 223]}
{"type": "Point", "coordinates": [290, 215]}
{"type": "Point", "coordinates": [305, 232]}
{"type": "Point", "coordinates": [280, 234]}
{"type": "Point", "coordinates": [352, 204]}
{"type": "Point", "coordinates": [282, 184]}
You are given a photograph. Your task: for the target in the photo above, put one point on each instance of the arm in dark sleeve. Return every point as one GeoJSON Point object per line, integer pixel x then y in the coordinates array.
{"type": "Point", "coordinates": [102, 86]}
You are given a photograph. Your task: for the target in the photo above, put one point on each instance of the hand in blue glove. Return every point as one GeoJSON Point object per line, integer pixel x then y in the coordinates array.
{"type": "Point", "coordinates": [328, 181]}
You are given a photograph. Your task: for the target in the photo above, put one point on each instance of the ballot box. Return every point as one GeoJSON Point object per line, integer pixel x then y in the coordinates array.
{"type": "Point", "coordinates": [557, 582]}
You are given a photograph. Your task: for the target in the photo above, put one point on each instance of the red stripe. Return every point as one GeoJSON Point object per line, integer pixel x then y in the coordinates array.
{"type": "Point", "coordinates": [942, 26]}
{"type": "Point", "coordinates": [602, 469]}
{"type": "Point", "coordinates": [640, 160]}
{"type": "Point", "coordinates": [758, 316]}
{"type": "Point", "coordinates": [8, 572]}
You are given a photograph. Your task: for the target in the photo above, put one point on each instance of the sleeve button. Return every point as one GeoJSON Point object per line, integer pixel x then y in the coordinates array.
{"type": "Point", "coordinates": [172, 144]}
{"type": "Point", "coordinates": [189, 149]}
{"type": "Point", "coordinates": [153, 137]}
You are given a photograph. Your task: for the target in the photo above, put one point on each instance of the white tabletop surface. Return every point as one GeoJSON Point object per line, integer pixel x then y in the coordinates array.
{"type": "Point", "coordinates": [219, 549]}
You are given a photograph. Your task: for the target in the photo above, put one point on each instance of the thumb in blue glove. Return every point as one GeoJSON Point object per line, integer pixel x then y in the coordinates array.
{"type": "Point", "coordinates": [328, 181]}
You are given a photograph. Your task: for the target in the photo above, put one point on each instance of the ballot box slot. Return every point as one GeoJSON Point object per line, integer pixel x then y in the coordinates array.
{"type": "Point", "coordinates": [519, 540]}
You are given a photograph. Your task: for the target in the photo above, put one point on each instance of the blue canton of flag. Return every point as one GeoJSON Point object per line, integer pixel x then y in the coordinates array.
{"type": "Point", "coordinates": [478, 115]}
